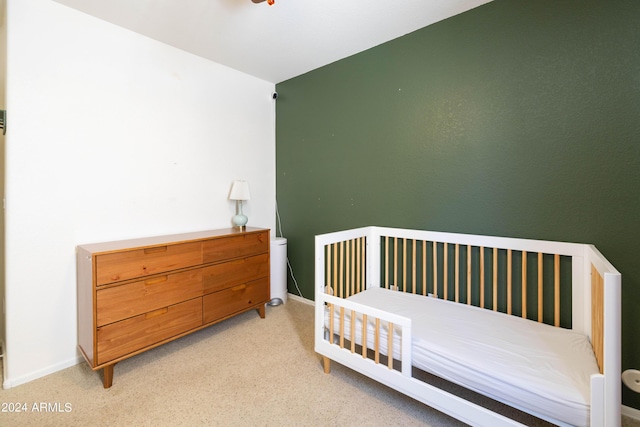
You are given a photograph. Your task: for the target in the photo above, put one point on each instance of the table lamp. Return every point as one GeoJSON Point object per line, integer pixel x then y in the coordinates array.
{"type": "Point", "coordinates": [239, 193]}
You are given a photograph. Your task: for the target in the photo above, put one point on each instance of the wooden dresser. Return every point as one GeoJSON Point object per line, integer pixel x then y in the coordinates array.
{"type": "Point", "coordinates": [134, 295]}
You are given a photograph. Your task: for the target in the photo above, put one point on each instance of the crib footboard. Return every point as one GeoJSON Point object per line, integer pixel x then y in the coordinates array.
{"type": "Point", "coordinates": [351, 329]}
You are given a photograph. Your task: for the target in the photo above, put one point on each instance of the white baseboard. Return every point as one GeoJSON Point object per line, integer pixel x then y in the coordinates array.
{"type": "Point", "coordinates": [631, 412]}
{"type": "Point", "coordinates": [13, 382]}
{"type": "Point", "coordinates": [300, 299]}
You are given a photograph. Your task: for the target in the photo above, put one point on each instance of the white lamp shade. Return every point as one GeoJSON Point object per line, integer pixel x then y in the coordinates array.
{"type": "Point", "coordinates": [239, 191]}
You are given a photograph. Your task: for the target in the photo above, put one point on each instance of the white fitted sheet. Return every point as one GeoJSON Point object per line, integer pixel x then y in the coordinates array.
{"type": "Point", "coordinates": [540, 368]}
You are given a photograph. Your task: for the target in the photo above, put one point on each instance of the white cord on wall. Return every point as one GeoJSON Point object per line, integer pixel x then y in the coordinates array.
{"type": "Point", "coordinates": [288, 263]}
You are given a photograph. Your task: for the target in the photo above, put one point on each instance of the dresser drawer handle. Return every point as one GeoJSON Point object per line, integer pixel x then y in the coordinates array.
{"type": "Point", "coordinates": [156, 313]}
{"type": "Point", "coordinates": [156, 280]}
{"type": "Point", "coordinates": [238, 288]}
{"type": "Point", "coordinates": [155, 250]}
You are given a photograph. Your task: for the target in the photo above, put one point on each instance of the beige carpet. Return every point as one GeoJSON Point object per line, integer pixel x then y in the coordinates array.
{"type": "Point", "coordinates": [245, 371]}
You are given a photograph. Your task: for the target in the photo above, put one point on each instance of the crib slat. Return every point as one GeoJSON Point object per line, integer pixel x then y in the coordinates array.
{"type": "Point", "coordinates": [424, 268]}
{"type": "Point", "coordinates": [509, 281]}
{"type": "Point", "coordinates": [357, 266]}
{"type": "Point", "coordinates": [353, 331]}
{"type": "Point", "coordinates": [376, 344]}
{"type": "Point", "coordinates": [327, 273]}
{"type": "Point", "coordinates": [341, 327]}
{"type": "Point", "coordinates": [413, 275]}
{"type": "Point", "coordinates": [435, 269]}
{"type": "Point", "coordinates": [468, 274]}
{"type": "Point", "coordinates": [364, 336]}
{"type": "Point", "coordinates": [347, 278]}
{"type": "Point", "coordinates": [395, 263]}
{"type": "Point", "coordinates": [524, 284]}
{"type": "Point", "coordinates": [386, 262]}
{"type": "Point", "coordinates": [341, 270]}
{"type": "Point", "coordinates": [354, 266]}
{"type": "Point", "coordinates": [556, 289]}
{"type": "Point", "coordinates": [457, 273]}
{"type": "Point", "coordinates": [482, 276]}
{"type": "Point", "coordinates": [445, 271]}
{"type": "Point", "coordinates": [404, 265]}
{"type": "Point", "coordinates": [495, 279]}
{"type": "Point", "coordinates": [350, 269]}
{"type": "Point", "coordinates": [390, 346]}
{"type": "Point", "coordinates": [332, 272]}
{"type": "Point", "coordinates": [394, 285]}
{"type": "Point", "coordinates": [540, 300]}
{"type": "Point", "coordinates": [361, 264]}
{"type": "Point", "coordinates": [332, 312]}
{"type": "Point", "coordinates": [335, 269]}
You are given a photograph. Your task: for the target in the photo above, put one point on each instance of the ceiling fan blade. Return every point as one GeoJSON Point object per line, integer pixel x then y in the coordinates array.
{"type": "Point", "coordinates": [271, 2]}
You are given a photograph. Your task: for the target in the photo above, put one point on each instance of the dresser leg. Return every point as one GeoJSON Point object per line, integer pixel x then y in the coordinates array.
{"type": "Point", "coordinates": [261, 311]}
{"type": "Point", "coordinates": [107, 371]}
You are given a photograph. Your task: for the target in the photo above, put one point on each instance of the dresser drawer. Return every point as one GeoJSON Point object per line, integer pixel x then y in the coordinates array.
{"type": "Point", "coordinates": [232, 273]}
{"type": "Point", "coordinates": [234, 247]}
{"type": "Point", "coordinates": [125, 265]}
{"type": "Point", "coordinates": [224, 303]}
{"type": "Point", "coordinates": [124, 301]}
{"type": "Point", "coordinates": [124, 337]}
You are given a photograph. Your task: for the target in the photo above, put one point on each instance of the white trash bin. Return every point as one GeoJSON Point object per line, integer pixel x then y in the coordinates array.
{"type": "Point", "coordinates": [278, 271]}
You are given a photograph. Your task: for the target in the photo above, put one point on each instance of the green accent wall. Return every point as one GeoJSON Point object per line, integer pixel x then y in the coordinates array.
{"type": "Point", "coordinates": [517, 119]}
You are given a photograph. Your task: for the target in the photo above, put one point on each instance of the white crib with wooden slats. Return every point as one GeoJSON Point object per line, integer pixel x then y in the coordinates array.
{"type": "Point", "coordinates": [569, 286]}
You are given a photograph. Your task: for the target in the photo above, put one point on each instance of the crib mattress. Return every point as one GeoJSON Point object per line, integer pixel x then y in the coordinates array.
{"type": "Point", "coordinates": [540, 368]}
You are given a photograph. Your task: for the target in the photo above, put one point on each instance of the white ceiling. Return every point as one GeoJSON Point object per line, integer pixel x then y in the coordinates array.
{"type": "Point", "coordinates": [277, 42]}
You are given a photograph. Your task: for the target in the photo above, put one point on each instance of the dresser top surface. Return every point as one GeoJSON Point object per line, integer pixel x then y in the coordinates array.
{"type": "Point", "coordinates": [166, 239]}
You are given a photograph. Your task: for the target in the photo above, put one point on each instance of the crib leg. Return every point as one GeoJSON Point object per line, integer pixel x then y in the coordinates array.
{"type": "Point", "coordinates": [326, 362]}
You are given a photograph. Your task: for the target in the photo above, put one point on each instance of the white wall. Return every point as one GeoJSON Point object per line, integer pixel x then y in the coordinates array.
{"type": "Point", "coordinates": [112, 135]}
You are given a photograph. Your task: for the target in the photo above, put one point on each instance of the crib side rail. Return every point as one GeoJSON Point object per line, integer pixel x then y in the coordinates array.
{"type": "Point", "coordinates": [528, 278]}
{"type": "Point", "coordinates": [351, 328]}
{"type": "Point", "coordinates": [328, 345]}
